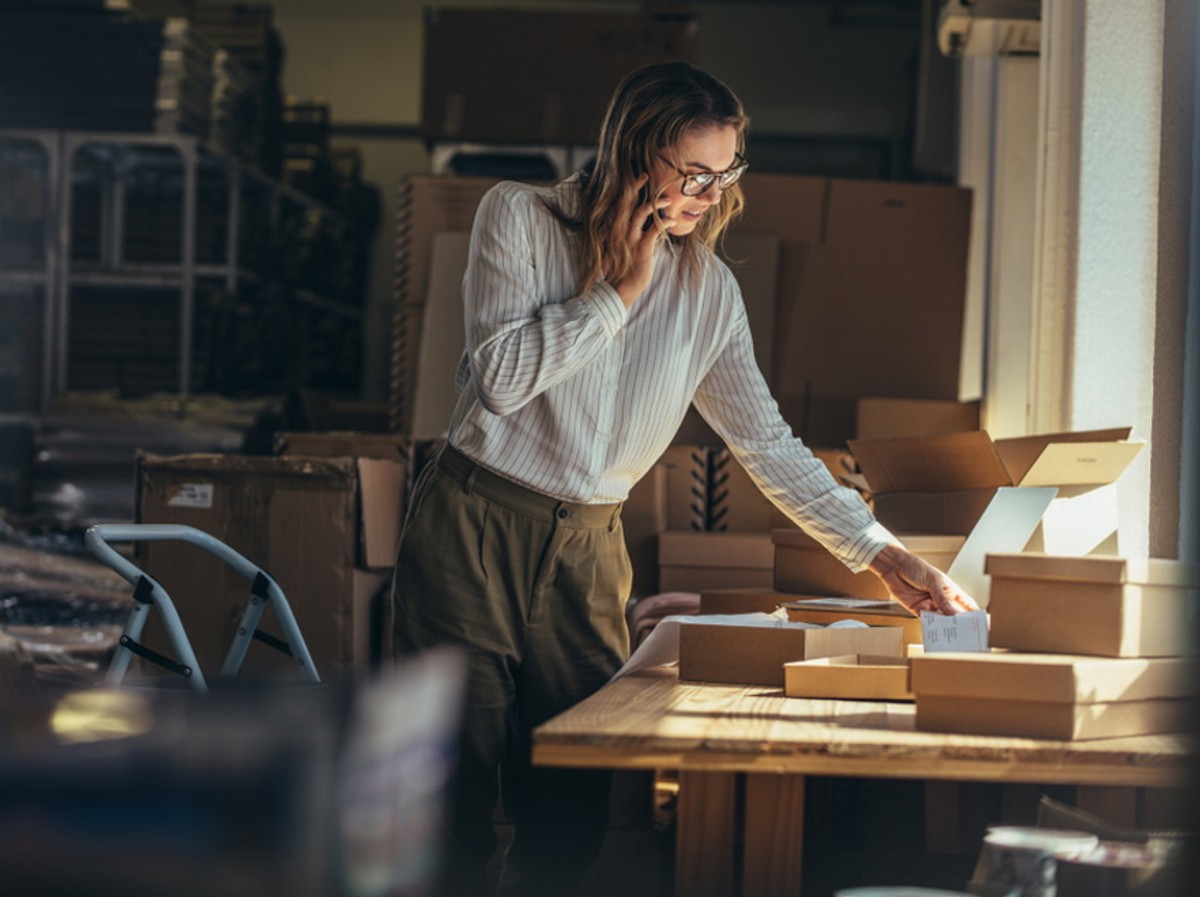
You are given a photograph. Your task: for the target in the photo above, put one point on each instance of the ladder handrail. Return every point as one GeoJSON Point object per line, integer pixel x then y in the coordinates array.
{"type": "Point", "coordinates": [97, 539]}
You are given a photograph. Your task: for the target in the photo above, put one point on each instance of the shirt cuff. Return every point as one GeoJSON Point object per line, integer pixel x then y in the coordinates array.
{"type": "Point", "coordinates": [858, 552]}
{"type": "Point", "coordinates": [606, 301]}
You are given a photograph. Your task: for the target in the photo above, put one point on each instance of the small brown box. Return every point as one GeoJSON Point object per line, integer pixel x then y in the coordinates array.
{"type": "Point", "coordinates": [826, 610]}
{"type": "Point", "coordinates": [693, 561]}
{"type": "Point", "coordinates": [1052, 695]}
{"type": "Point", "coordinates": [1107, 606]}
{"type": "Point", "coordinates": [755, 654]}
{"type": "Point", "coordinates": [861, 677]}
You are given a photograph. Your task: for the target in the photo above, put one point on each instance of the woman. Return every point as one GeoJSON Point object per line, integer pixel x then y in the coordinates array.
{"type": "Point", "coordinates": [596, 312]}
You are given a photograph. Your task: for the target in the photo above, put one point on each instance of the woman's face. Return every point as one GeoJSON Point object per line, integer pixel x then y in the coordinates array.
{"type": "Point", "coordinates": [705, 149]}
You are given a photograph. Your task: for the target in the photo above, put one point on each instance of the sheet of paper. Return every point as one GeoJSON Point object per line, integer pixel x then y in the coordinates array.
{"type": "Point", "coordinates": [1006, 525]}
{"type": "Point", "coordinates": [846, 603]}
{"type": "Point", "coordinates": [961, 632]}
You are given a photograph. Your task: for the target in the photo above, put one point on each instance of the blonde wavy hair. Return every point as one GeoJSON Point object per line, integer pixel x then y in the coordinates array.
{"type": "Point", "coordinates": [649, 113]}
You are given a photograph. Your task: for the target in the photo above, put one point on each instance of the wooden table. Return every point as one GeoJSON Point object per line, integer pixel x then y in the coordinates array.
{"type": "Point", "coordinates": [714, 734]}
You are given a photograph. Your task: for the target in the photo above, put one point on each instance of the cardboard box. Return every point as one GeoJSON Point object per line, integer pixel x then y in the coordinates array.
{"type": "Point", "coordinates": [742, 601]}
{"type": "Point", "coordinates": [643, 518]}
{"type": "Point", "coordinates": [965, 469]}
{"type": "Point", "coordinates": [693, 561]}
{"type": "Point", "coordinates": [891, 418]}
{"type": "Point", "coordinates": [873, 613]}
{"type": "Point", "coordinates": [881, 264]}
{"type": "Point", "coordinates": [1052, 695]}
{"type": "Point", "coordinates": [755, 654]}
{"type": "Point", "coordinates": [382, 464]}
{"type": "Point", "coordinates": [298, 518]}
{"type": "Point", "coordinates": [559, 66]}
{"type": "Point", "coordinates": [858, 677]}
{"type": "Point", "coordinates": [426, 206]}
{"type": "Point", "coordinates": [804, 567]}
{"type": "Point", "coordinates": [687, 485]}
{"type": "Point", "coordinates": [1107, 606]}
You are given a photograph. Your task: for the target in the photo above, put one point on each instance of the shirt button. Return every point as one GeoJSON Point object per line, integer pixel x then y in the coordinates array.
{"type": "Point", "coordinates": [562, 513]}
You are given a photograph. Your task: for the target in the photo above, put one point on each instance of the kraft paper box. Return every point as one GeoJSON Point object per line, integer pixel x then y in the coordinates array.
{"type": "Point", "coordinates": [1108, 606]}
{"type": "Point", "coordinates": [825, 610]}
{"type": "Point", "coordinates": [383, 462]}
{"type": "Point", "coordinates": [1052, 695]}
{"type": "Point", "coordinates": [862, 677]}
{"type": "Point", "coordinates": [298, 518]}
{"type": "Point", "coordinates": [693, 561]}
{"type": "Point", "coordinates": [755, 654]}
{"type": "Point", "coordinates": [890, 418]}
{"type": "Point", "coordinates": [803, 566]}
{"type": "Point", "coordinates": [963, 469]}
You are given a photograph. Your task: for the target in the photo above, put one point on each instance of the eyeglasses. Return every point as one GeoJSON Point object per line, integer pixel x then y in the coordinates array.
{"type": "Point", "coordinates": [694, 184]}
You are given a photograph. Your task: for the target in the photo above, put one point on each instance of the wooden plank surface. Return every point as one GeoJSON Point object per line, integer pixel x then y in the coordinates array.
{"type": "Point", "coordinates": [651, 720]}
{"type": "Point", "coordinates": [704, 836]}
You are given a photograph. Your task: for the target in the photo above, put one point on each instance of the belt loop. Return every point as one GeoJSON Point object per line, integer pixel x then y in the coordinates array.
{"type": "Point", "coordinates": [469, 482]}
{"type": "Point", "coordinates": [616, 517]}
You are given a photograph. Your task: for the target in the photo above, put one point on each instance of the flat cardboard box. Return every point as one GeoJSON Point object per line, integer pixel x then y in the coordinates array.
{"type": "Point", "coordinates": [643, 518]}
{"type": "Point", "coordinates": [804, 567]}
{"type": "Point", "coordinates": [1000, 675]}
{"type": "Point", "coordinates": [693, 561]}
{"type": "Point", "coordinates": [964, 467]}
{"type": "Point", "coordinates": [426, 206]}
{"type": "Point", "coordinates": [860, 677]}
{"type": "Point", "coordinates": [825, 610]}
{"type": "Point", "coordinates": [1107, 606]}
{"type": "Point", "coordinates": [1052, 695]}
{"type": "Point", "coordinates": [755, 655]}
{"type": "Point", "coordinates": [888, 270]}
{"type": "Point", "coordinates": [880, 418]}
{"type": "Point", "coordinates": [741, 601]}
{"type": "Point", "coordinates": [298, 518]}
{"type": "Point", "coordinates": [1063, 722]}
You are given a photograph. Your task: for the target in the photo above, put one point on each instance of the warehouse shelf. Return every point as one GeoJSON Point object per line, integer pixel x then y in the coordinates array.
{"type": "Point", "coordinates": [119, 211]}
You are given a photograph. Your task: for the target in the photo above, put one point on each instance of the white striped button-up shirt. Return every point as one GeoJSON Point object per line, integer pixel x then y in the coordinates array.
{"type": "Point", "coordinates": [576, 397]}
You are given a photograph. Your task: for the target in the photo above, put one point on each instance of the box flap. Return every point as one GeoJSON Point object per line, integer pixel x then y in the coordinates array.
{"type": "Point", "coordinates": [1020, 453]}
{"type": "Point", "coordinates": [693, 549]}
{"type": "Point", "coordinates": [1096, 569]}
{"type": "Point", "coordinates": [1081, 463]}
{"type": "Point", "coordinates": [944, 463]}
{"type": "Point", "coordinates": [1052, 678]}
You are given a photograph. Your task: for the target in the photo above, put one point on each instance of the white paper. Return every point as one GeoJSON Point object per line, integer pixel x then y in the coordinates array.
{"type": "Point", "coordinates": [845, 603]}
{"type": "Point", "coordinates": [1005, 527]}
{"type": "Point", "coordinates": [960, 632]}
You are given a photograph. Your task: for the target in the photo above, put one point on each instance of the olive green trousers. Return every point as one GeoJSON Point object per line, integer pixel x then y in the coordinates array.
{"type": "Point", "coordinates": [533, 590]}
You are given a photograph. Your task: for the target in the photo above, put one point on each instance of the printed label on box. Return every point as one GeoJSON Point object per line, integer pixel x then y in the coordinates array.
{"type": "Point", "coordinates": [961, 632]}
{"type": "Point", "coordinates": [192, 495]}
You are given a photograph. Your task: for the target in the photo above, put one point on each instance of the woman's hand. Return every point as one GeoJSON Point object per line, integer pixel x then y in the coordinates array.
{"type": "Point", "coordinates": [918, 585]}
{"type": "Point", "coordinates": [644, 230]}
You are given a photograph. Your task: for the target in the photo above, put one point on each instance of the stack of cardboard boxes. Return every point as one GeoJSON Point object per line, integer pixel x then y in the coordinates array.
{"type": "Point", "coordinates": [1084, 647]}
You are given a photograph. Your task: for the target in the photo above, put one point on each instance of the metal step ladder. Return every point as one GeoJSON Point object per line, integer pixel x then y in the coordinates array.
{"type": "Point", "coordinates": [148, 594]}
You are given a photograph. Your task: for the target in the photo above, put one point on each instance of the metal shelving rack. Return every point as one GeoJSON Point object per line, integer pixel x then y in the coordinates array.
{"type": "Point", "coordinates": [125, 157]}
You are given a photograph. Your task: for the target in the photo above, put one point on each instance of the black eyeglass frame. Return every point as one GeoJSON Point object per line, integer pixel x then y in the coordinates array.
{"type": "Point", "coordinates": [723, 179]}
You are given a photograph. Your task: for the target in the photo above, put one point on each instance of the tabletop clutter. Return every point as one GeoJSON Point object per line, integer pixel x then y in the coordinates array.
{"type": "Point", "coordinates": [1076, 641]}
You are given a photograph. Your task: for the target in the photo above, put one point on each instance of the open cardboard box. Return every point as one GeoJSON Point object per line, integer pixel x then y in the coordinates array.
{"type": "Point", "coordinates": [863, 677]}
{"type": "Point", "coordinates": [1109, 606]}
{"type": "Point", "coordinates": [754, 654]}
{"type": "Point", "coordinates": [1052, 695]}
{"type": "Point", "coordinates": [821, 610]}
{"type": "Point", "coordinates": [942, 484]}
